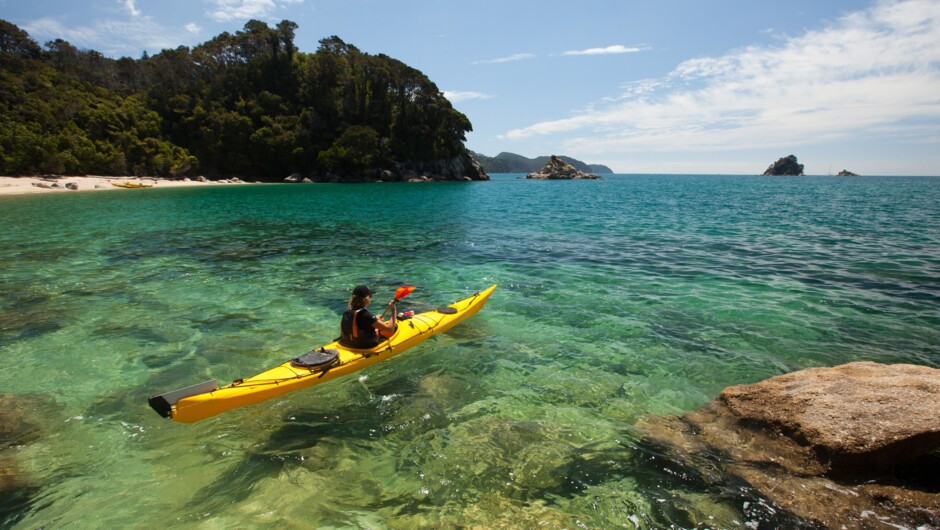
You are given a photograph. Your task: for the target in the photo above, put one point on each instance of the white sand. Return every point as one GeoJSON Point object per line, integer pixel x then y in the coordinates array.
{"type": "Point", "coordinates": [23, 185]}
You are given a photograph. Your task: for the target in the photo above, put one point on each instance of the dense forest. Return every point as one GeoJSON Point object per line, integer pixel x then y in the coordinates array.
{"type": "Point", "coordinates": [248, 104]}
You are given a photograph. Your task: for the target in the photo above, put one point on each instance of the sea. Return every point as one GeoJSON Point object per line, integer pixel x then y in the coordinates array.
{"type": "Point", "coordinates": [617, 299]}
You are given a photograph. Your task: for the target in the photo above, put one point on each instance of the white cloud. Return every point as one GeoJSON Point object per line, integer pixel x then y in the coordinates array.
{"type": "Point", "coordinates": [226, 10]}
{"type": "Point", "coordinates": [192, 27]}
{"type": "Point", "coordinates": [455, 97]}
{"type": "Point", "coordinates": [131, 8]}
{"type": "Point", "coordinates": [114, 38]}
{"type": "Point", "coordinates": [861, 75]}
{"type": "Point", "coordinates": [610, 50]}
{"type": "Point", "coordinates": [507, 59]}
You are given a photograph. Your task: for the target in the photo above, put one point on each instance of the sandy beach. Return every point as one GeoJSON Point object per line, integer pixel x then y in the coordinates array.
{"type": "Point", "coordinates": [74, 184]}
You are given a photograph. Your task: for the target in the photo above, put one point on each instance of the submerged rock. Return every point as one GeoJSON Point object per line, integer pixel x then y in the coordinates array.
{"type": "Point", "coordinates": [20, 420]}
{"type": "Point", "coordinates": [846, 447]}
{"type": "Point", "coordinates": [558, 169]}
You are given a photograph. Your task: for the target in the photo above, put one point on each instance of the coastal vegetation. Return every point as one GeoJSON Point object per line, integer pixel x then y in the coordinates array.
{"type": "Point", "coordinates": [247, 104]}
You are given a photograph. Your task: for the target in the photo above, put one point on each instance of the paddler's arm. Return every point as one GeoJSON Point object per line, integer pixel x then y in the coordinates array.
{"type": "Point", "coordinates": [392, 325]}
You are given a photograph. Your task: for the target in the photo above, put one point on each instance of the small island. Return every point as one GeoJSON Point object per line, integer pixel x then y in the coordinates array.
{"type": "Point", "coordinates": [786, 166]}
{"type": "Point", "coordinates": [558, 169]}
{"type": "Point", "coordinates": [846, 173]}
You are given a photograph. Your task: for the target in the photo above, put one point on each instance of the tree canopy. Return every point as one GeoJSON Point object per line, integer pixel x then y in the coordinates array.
{"type": "Point", "coordinates": [247, 104]}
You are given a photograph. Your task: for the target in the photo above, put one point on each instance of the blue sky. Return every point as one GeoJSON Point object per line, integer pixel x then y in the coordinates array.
{"type": "Point", "coordinates": [665, 86]}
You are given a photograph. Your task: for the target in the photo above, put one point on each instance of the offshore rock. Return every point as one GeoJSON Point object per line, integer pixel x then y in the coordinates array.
{"type": "Point", "coordinates": [853, 446]}
{"type": "Point", "coordinates": [558, 169]}
{"type": "Point", "coordinates": [847, 173]}
{"type": "Point", "coordinates": [786, 166]}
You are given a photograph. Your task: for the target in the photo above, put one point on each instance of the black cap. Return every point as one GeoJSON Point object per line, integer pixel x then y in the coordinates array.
{"type": "Point", "coordinates": [363, 291]}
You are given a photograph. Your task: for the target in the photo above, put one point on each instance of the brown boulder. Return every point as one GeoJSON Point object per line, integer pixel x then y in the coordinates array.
{"type": "Point", "coordinates": [857, 418]}
{"type": "Point", "coordinates": [853, 446]}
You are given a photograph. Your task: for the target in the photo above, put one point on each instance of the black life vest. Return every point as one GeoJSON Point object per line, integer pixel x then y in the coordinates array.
{"type": "Point", "coordinates": [354, 336]}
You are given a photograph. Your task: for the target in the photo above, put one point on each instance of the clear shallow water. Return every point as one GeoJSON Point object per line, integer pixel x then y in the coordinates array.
{"type": "Point", "coordinates": [618, 298]}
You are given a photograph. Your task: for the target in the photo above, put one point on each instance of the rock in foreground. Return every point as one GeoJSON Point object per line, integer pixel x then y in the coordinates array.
{"type": "Point", "coordinates": [848, 447]}
{"type": "Point", "coordinates": [558, 169]}
{"type": "Point", "coordinates": [859, 418]}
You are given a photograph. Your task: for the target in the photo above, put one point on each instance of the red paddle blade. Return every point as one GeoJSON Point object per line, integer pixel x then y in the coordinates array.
{"type": "Point", "coordinates": [403, 291]}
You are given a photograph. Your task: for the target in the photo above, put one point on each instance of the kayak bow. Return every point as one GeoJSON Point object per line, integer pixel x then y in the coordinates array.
{"type": "Point", "coordinates": [328, 362]}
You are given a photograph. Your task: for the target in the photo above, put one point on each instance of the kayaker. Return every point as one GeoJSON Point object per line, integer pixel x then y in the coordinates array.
{"type": "Point", "coordinates": [359, 328]}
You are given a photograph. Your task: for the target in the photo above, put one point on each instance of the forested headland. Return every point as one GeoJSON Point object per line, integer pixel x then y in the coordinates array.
{"type": "Point", "coordinates": [248, 104]}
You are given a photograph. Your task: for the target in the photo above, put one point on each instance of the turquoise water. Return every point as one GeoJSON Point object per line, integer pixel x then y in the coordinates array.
{"type": "Point", "coordinates": [619, 298]}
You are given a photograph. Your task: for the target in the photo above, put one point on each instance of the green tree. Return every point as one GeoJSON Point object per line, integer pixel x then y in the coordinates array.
{"type": "Point", "coordinates": [357, 149]}
{"type": "Point", "coordinates": [246, 103]}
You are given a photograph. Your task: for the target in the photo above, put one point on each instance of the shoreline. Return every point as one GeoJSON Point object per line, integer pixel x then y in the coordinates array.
{"type": "Point", "coordinates": [84, 183]}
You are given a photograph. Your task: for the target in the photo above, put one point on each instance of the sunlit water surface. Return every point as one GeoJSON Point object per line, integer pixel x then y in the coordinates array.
{"type": "Point", "coordinates": [619, 298]}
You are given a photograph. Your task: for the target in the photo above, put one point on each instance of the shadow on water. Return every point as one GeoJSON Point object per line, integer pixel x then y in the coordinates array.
{"type": "Point", "coordinates": [681, 487]}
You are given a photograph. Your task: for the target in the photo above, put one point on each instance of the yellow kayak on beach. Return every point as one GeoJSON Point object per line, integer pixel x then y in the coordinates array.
{"type": "Point", "coordinates": [133, 185]}
{"type": "Point", "coordinates": [328, 362]}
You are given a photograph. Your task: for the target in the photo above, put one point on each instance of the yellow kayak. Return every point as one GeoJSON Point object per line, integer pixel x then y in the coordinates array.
{"type": "Point", "coordinates": [131, 185]}
{"type": "Point", "coordinates": [331, 361]}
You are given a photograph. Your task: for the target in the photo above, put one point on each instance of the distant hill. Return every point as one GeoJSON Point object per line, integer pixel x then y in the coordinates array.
{"type": "Point", "coordinates": [513, 163]}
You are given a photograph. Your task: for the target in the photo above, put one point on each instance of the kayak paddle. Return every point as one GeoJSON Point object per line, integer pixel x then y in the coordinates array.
{"type": "Point", "coordinates": [400, 293]}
